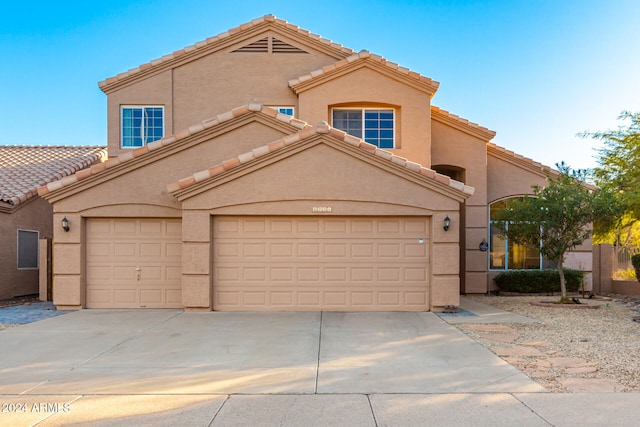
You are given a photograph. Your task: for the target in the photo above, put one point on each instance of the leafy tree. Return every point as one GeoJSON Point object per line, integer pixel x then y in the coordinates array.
{"type": "Point", "coordinates": [557, 218]}
{"type": "Point", "coordinates": [619, 172]}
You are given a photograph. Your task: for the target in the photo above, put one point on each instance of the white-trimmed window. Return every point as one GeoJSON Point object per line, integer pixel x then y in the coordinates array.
{"type": "Point", "coordinates": [288, 110]}
{"type": "Point", "coordinates": [375, 126]}
{"type": "Point", "coordinates": [504, 255]}
{"type": "Point", "coordinates": [28, 249]}
{"type": "Point", "coordinates": [141, 125]}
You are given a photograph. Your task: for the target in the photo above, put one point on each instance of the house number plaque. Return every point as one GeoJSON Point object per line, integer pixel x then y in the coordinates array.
{"type": "Point", "coordinates": [321, 209]}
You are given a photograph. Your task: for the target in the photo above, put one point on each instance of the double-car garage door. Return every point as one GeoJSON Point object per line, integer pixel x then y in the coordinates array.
{"type": "Point", "coordinates": [320, 263]}
{"type": "Point", "coordinates": [265, 263]}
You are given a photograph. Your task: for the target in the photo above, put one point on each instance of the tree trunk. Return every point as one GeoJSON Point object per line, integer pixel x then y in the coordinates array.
{"type": "Point", "coordinates": [563, 285]}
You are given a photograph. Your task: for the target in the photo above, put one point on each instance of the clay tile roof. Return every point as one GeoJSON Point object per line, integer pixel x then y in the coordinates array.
{"type": "Point", "coordinates": [428, 84]}
{"type": "Point", "coordinates": [320, 128]}
{"type": "Point", "coordinates": [462, 124]}
{"type": "Point", "coordinates": [518, 159]}
{"type": "Point", "coordinates": [25, 168]}
{"type": "Point", "coordinates": [194, 49]}
{"type": "Point", "coordinates": [48, 186]}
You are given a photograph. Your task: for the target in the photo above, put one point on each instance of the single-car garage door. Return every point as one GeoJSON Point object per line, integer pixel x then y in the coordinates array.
{"type": "Point", "coordinates": [321, 263]}
{"type": "Point", "coordinates": [134, 263]}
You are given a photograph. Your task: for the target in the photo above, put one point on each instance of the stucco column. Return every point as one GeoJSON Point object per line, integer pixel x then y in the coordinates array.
{"type": "Point", "coordinates": [68, 292]}
{"type": "Point", "coordinates": [445, 265]}
{"type": "Point", "coordinates": [196, 261]}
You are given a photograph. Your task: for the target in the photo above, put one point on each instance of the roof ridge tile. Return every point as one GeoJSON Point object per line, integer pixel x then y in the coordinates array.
{"type": "Point", "coordinates": [532, 163]}
{"type": "Point", "coordinates": [252, 106]}
{"type": "Point", "coordinates": [321, 128]}
{"type": "Point", "coordinates": [363, 55]}
{"type": "Point", "coordinates": [464, 122]}
{"type": "Point", "coordinates": [213, 39]}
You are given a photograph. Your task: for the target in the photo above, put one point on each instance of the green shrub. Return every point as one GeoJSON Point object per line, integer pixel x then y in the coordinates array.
{"type": "Point", "coordinates": [635, 260]}
{"type": "Point", "coordinates": [538, 281]}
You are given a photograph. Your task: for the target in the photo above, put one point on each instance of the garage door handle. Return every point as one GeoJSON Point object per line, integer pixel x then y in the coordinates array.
{"type": "Point", "coordinates": [138, 271]}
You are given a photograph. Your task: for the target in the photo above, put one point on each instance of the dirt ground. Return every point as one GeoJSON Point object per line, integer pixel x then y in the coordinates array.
{"type": "Point", "coordinates": [27, 299]}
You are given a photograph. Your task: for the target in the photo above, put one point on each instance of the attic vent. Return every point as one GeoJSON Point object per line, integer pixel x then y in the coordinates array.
{"type": "Point", "coordinates": [259, 46]}
{"type": "Point", "coordinates": [278, 46]}
{"type": "Point", "coordinates": [269, 45]}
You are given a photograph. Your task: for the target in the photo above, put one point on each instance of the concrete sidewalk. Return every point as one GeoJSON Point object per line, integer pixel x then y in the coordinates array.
{"type": "Point", "coordinates": [168, 367]}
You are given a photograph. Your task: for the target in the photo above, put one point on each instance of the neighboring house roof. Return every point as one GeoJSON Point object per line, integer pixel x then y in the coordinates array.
{"type": "Point", "coordinates": [25, 168]}
{"type": "Point", "coordinates": [170, 140]}
{"type": "Point", "coordinates": [320, 128]}
{"type": "Point", "coordinates": [461, 124]}
{"type": "Point", "coordinates": [358, 60]}
{"type": "Point", "coordinates": [222, 41]}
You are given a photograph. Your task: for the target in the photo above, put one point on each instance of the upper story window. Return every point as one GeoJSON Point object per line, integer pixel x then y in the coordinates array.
{"type": "Point", "coordinates": [372, 125]}
{"type": "Point", "coordinates": [141, 125]}
{"type": "Point", "coordinates": [505, 255]}
{"type": "Point", "coordinates": [284, 110]}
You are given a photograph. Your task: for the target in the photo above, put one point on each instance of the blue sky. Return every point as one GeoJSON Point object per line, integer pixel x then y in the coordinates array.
{"type": "Point", "coordinates": [537, 72]}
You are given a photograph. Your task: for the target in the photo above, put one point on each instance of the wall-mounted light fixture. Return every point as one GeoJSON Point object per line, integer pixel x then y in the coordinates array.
{"type": "Point", "coordinates": [447, 223]}
{"type": "Point", "coordinates": [65, 224]}
{"type": "Point", "coordinates": [484, 246]}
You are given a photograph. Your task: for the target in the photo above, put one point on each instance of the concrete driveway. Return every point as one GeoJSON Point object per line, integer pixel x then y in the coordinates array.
{"type": "Point", "coordinates": [167, 367]}
{"type": "Point", "coordinates": [173, 352]}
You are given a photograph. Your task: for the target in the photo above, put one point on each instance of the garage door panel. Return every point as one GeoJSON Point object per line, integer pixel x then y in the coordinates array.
{"type": "Point", "coordinates": [361, 298]}
{"type": "Point", "coordinates": [124, 227]}
{"type": "Point", "coordinates": [134, 263]}
{"type": "Point", "coordinates": [124, 296]}
{"type": "Point", "coordinates": [389, 299]}
{"type": "Point", "coordinates": [124, 249]}
{"type": "Point", "coordinates": [335, 299]}
{"type": "Point", "coordinates": [154, 250]}
{"type": "Point", "coordinates": [312, 263]}
{"type": "Point", "coordinates": [308, 299]}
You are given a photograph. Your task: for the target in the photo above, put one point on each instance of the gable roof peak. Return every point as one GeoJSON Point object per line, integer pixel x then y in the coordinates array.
{"type": "Point", "coordinates": [309, 131]}
{"type": "Point", "coordinates": [211, 43]}
{"type": "Point", "coordinates": [251, 107]}
{"type": "Point", "coordinates": [316, 77]}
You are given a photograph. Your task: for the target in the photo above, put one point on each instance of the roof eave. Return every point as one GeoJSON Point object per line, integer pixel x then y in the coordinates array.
{"type": "Point", "coordinates": [194, 184]}
{"type": "Point", "coordinates": [362, 60]}
{"type": "Point", "coordinates": [220, 42]}
{"type": "Point", "coordinates": [461, 124]}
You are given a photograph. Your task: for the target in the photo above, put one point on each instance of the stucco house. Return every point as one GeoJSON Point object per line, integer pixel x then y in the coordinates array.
{"type": "Point", "coordinates": [267, 168]}
{"type": "Point", "coordinates": [25, 219]}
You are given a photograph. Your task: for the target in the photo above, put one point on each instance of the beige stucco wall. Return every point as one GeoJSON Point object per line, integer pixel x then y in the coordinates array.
{"type": "Point", "coordinates": [139, 190]}
{"type": "Point", "coordinates": [34, 215]}
{"type": "Point", "coordinates": [320, 175]}
{"type": "Point", "coordinates": [452, 148]}
{"type": "Point", "coordinates": [366, 87]}
{"type": "Point", "coordinates": [214, 84]}
{"type": "Point", "coordinates": [156, 90]}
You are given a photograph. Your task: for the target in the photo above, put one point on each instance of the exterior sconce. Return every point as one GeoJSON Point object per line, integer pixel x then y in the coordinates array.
{"type": "Point", "coordinates": [484, 246]}
{"type": "Point", "coordinates": [65, 224]}
{"type": "Point", "coordinates": [447, 223]}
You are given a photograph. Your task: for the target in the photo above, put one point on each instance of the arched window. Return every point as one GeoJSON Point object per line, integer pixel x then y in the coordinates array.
{"type": "Point", "coordinates": [504, 255]}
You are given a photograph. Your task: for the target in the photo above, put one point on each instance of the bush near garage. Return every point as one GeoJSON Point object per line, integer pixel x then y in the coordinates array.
{"type": "Point", "coordinates": [538, 281]}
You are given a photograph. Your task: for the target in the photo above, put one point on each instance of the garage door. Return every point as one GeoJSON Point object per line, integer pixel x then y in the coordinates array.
{"type": "Point", "coordinates": [134, 263]}
{"type": "Point", "coordinates": [316, 263]}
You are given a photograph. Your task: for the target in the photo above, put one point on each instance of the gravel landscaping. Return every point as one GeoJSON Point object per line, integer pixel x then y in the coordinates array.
{"type": "Point", "coordinates": [570, 350]}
